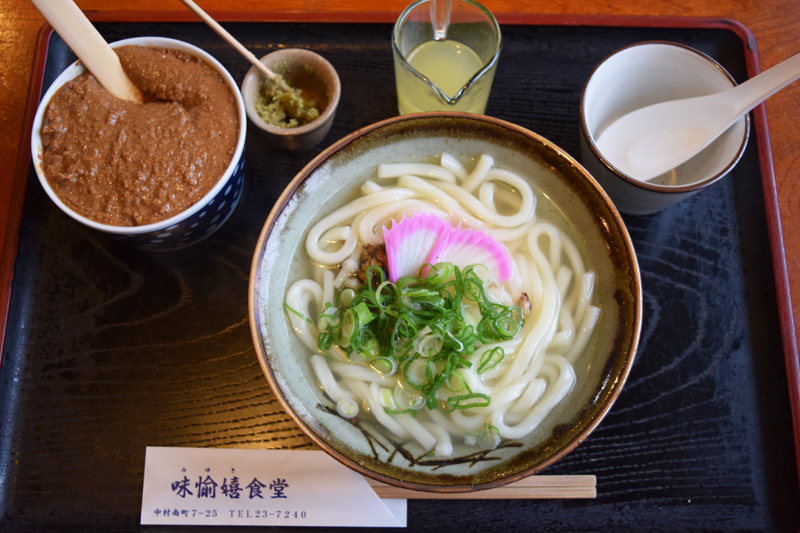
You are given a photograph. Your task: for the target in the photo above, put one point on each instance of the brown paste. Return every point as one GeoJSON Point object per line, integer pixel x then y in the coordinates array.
{"type": "Point", "coordinates": [128, 164]}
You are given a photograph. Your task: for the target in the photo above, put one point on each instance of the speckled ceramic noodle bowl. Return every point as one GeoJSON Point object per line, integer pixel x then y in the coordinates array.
{"type": "Point", "coordinates": [445, 302]}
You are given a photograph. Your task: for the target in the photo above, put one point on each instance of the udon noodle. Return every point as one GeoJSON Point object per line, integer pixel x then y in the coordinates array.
{"type": "Point", "coordinates": [535, 372]}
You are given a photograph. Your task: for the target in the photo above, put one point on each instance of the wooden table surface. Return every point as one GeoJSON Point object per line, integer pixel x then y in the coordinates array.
{"type": "Point", "coordinates": [774, 23]}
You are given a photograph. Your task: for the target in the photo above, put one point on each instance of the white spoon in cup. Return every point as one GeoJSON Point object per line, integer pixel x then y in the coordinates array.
{"type": "Point", "coordinates": [655, 139]}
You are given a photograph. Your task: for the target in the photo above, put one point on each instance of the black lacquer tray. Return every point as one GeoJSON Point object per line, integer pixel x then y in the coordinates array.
{"type": "Point", "coordinates": [108, 350]}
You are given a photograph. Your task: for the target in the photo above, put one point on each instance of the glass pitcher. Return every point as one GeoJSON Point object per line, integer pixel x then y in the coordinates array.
{"type": "Point", "coordinates": [446, 68]}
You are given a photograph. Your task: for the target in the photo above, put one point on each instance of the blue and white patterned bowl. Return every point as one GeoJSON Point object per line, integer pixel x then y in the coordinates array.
{"type": "Point", "coordinates": [189, 226]}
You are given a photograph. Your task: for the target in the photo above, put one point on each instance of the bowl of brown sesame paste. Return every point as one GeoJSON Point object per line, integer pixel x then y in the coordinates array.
{"type": "Point", "coordinates": [163, 174]}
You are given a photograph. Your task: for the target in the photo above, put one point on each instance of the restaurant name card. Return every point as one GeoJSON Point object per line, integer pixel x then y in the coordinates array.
{"type": "Point", "coordinates": [205, 486]}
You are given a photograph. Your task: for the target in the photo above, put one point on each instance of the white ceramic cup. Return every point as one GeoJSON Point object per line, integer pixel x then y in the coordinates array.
{"type": "Point", "coordinates": [643, 74]}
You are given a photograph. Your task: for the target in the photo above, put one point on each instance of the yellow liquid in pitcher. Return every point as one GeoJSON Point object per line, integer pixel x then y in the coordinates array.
{"type": "Point", "coordinates": [450, 65]}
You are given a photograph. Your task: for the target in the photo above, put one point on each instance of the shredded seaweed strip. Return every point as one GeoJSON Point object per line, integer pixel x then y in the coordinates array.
{"type": "Point", "coordinates": [417, 323]}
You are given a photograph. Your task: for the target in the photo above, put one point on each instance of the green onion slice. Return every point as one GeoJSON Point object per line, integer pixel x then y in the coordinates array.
{"type": "Point", "coordinates": [349, 325]}
{"type": "Point", "coordinates": [490, 359]}
{"type": "Point", "coordinates": [364, 314]}
{"type": "Point", "coordinates": [298, 313]}
{"type": "Point", "coordinates": [489, 439]}
{"type": "Point", "coordinates": [347, 408]}
{"type": "Point", "coordinates": [465, 401]}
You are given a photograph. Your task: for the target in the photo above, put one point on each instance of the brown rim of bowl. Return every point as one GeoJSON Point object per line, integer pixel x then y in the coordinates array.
{"type": "Point", "coordinates": [254, 315]}
{"type": "Point", "coordinates": [333, 100]}
{"type": "Point", "coordinates": [652, 186]}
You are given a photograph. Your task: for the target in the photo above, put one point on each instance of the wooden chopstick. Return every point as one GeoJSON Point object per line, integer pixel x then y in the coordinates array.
{"type": "Point", "coordinates": [222, 32]}
{"type": "Point", "coordinates": [531, 487]}
{"type": "Point", "coordinates": [91, 48]}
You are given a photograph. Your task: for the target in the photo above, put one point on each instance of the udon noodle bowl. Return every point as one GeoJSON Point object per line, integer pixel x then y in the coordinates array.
{"type": "Point", "coordinates": [442, 306]}
{"type": "Point", "coordinates": [447, 302]}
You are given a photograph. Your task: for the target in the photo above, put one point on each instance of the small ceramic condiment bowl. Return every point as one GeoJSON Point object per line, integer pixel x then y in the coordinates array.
{"type": "Point", "coordinates": [565, 192]}
{"type": "Point", "coordinates": [644, 74]}
{"type": "Point", "coordinates": [189, 226]}
{"type": "Point", "coordinates": [316, 77]}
